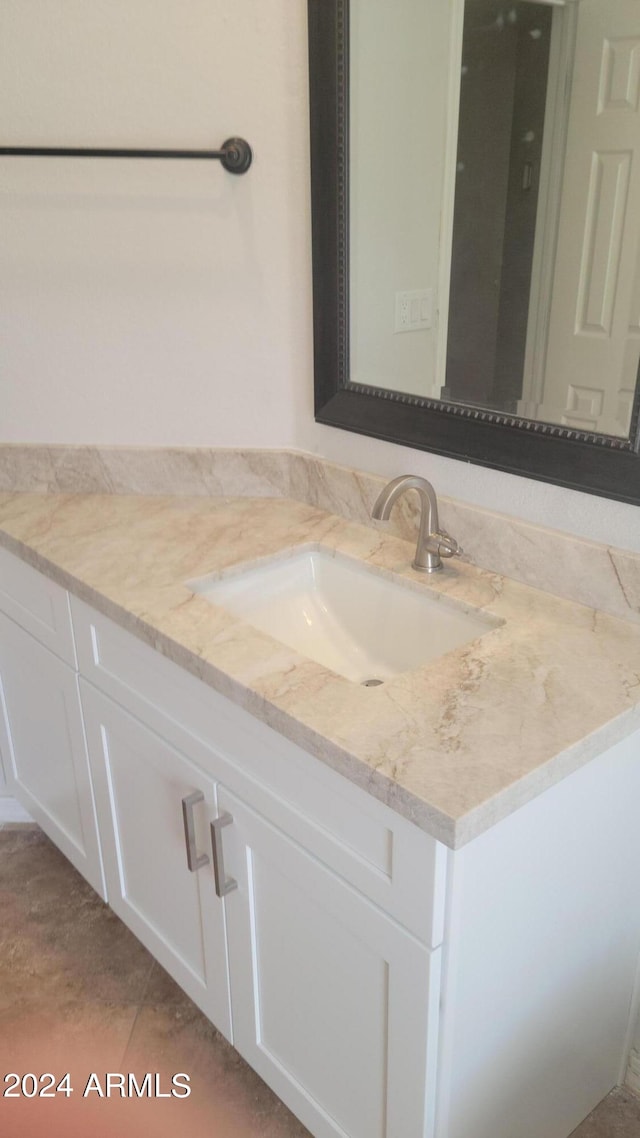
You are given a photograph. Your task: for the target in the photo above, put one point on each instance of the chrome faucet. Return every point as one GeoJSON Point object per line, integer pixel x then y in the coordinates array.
{"type": "Point", "coordinates": [433, 543]}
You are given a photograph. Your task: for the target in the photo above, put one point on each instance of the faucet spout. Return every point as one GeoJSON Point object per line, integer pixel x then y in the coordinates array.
{"type": "Point", "coordinates": [433, 543]}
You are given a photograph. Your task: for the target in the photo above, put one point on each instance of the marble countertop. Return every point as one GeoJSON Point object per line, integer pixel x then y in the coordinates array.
{"type": "Point", "coordinates": [454, 746]}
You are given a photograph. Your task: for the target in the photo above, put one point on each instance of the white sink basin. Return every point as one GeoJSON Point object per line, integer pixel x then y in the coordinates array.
{"type": "Point", "coordinates": [343, 614]}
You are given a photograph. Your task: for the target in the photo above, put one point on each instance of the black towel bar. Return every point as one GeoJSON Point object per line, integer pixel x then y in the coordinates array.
{"type": "Point", "coordinates": [235, 154]}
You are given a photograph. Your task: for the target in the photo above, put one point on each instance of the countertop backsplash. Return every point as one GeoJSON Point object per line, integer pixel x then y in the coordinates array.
{"type": "Point", "coordinates": [579, 570]}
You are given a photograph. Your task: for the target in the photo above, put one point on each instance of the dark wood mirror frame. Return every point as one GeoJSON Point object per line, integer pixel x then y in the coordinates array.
{"type": "Point", "coordinates": [595, 464]}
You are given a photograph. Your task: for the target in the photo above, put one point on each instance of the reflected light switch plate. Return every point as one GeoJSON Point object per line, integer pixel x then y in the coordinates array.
{"type": "Point", "coordinates": [414, 310]}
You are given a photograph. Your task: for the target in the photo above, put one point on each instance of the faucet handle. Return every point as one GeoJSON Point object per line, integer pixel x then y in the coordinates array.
{"type": "Point", "coordinates": [447, 546]}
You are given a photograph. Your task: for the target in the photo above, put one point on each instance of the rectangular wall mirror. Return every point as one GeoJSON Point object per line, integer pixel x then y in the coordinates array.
{"type": "Point", "coordinates": [476, 225]}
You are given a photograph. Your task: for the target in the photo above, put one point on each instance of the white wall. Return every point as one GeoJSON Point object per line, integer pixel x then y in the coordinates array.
{"type": "Point", "coordinates": [171, 304]}
{"type": "Point", "coordinates": [156, 302]}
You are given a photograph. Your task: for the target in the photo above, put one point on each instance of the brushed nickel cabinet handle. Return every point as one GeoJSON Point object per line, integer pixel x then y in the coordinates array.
{"type": "Point", "coordinates": [195, 860]}
{"type": "Point", "coordinates": [224, 884]}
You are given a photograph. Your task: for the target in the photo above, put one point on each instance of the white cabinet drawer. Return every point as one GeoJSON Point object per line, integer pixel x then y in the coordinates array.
{"type": "Point", "coordinates": [38, 605]}
{"type": "Point", "coordinates": [394, 864]}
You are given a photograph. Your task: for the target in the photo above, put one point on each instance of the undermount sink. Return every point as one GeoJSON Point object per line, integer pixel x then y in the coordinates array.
{"type": "Point", "coordinates": [344, 614]}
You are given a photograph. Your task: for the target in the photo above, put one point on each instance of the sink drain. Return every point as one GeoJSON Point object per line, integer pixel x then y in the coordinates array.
{"type": "Point", "coordinates": [371, 683]}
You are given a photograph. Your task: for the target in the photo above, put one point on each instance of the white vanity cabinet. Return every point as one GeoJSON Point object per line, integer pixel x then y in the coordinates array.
{"type": "Point", "coordinates": [281, 934]}
{"type": "Point", "coordinates": [330, 997]}
{"type": "Point", "coordinates": [310, 923]}
{"type": "Point", "coordinates": [41, 732]}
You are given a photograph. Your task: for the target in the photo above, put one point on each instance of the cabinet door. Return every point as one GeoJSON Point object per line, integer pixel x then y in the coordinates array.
{"type": "Point", "coordinates": [42, 743]}
{"type": "Point", "coordinates": [333, 1003]}
{"type": "Point", "coordinates": [140, 784]}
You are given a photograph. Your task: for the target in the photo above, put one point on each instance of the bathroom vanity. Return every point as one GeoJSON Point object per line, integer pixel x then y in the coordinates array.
{"type": "Point", "coordinates": [413, 907]}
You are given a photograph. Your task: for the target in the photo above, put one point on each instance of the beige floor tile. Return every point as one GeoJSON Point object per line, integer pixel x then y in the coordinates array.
{"type": "Point", "coordinates": [59, 1038]}
{"type": "Point", "coordinates": [161, 989]}
{"type": "Point", "coordinates": [57, 939]}
{"type": "Point", "coordinates": [228, 1100]}
{"type": "Point", "coordinates": [617, 1116]}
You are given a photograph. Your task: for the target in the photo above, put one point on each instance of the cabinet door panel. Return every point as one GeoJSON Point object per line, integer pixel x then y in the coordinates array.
{"type": "Point", "coordinates": [140, 783]}
{"type": "Point", "coordinates": [44, 749]}
{"type": "Point", "coordinates": [330, 998]}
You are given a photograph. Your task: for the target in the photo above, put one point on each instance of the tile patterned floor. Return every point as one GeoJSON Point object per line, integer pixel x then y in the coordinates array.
{"type": "Point", "coordinates": [79, 993]}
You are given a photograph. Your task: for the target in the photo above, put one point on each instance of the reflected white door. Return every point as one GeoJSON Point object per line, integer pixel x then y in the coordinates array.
{"type": "Point", "coordinates": [594, 329]}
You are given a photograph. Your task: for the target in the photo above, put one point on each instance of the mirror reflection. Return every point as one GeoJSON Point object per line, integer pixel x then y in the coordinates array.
{"type": "Point", "coordinates": [521, 293]}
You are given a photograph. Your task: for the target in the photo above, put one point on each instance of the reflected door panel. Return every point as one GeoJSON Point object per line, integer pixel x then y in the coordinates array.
{"type": "Point", "coordinates": [594, 331]}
